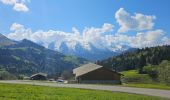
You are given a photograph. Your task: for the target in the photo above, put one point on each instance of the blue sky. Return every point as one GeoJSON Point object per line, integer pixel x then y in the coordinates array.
{"type": "Point", "coordinates": [62, 15]}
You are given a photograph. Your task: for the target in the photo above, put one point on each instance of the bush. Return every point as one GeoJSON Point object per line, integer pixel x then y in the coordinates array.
{"type": "Point", "coordinates": [159, 72]}
{"type": "Point", "coordinates": [152, 71]}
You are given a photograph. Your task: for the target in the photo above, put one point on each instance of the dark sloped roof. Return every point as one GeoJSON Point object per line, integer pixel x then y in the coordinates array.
{"type": "Point", "coordinates": [85, 69]}
{"type": "Point", "coordinates": [43, 74]}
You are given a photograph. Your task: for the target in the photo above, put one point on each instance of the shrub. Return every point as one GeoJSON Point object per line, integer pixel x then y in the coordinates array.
{"type": "Point", "coordinates": [152, 71]}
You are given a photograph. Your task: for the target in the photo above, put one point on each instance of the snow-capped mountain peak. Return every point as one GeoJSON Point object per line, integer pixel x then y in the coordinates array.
{"type": "Point", "coordinates": [87, 50]}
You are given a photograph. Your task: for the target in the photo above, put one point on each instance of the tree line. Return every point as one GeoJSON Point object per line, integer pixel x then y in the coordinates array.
{"type": "Point", "coordinates": [137, 59]}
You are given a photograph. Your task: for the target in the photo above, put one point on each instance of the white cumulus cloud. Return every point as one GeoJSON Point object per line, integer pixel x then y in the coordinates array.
{"type": "Point", "coordinates": [149, 38]}
{"type": "Point", "coordinates": [96, 36]}
{"type": "Point", "coordinates": [9, 2]}
{"type": "Point", "coordinates": [16, 26]}
{"type": "Point", "coordinates": [140, 40]}
{"type": "Point", "coordinates": [18, 5]}
{"type": "Point", "coordinates": [138, 22]}
{"type": "Point", "coordinates": [101, 37]}
{"type": "Point", "coordinates": [89, 35]}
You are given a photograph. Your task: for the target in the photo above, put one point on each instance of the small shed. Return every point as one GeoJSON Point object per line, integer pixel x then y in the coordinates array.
{"type": "Point", "coordinates": [93, 73]}
{"type": "Point", "coordinates": [39, 76]}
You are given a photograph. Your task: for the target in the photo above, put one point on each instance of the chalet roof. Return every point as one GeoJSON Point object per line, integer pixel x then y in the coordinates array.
{"type": "Point", "coordinates": [42, 74]}
{"type": "Point", "coordinates": [85, 69]}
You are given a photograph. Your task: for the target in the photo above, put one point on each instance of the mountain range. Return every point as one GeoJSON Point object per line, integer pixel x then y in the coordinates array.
{"type": "Point", "coordinates": [4, 41]}
{"type": "Point", "coordinates": [26, 57]}
{"type": "Point", "coordinates": [88, 51]}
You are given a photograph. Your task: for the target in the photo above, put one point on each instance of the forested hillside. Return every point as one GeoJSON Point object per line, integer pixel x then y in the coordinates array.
{"type": "Point", "coordinates": [138, 58]}
{"type": "Point", "coordinates": [25, 57]}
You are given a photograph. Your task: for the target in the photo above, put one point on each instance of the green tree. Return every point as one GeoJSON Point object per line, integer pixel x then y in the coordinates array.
{"type": "Point", "coordinates": [142, 63]}
{"type": "Point", "coordinates": [152, 70]}
{"type": "Point", "coordinates": [164, 72]}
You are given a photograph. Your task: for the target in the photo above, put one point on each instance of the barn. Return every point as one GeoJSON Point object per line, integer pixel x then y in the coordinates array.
{"type": "Point", "coordinates": [93, 73]}
{"type": "Point", "coordinates": [39, 76]}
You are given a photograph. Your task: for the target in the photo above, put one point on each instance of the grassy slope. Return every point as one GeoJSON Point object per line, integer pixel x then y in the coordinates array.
{"type": "Point", "coordinates": [133, 73]}
{"type": "Point", "coordinates": [144, 81]}
{"type": "Point", "coordinates": [132, 76]}
{"type": "Point", "coordinates": [29, 92]}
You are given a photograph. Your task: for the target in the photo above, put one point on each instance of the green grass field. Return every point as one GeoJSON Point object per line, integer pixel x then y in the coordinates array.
{"type": "Point", "coordinates": [134, 76]}
{"type": "Point", "coordinates": [130, 73]}
{"type": "Point", "coordinates": [133, 79]}
{"type": "Point", "coordinates": [29, 92]}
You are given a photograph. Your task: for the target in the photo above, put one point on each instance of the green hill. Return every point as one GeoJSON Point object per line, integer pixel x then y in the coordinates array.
{"type": "Point", "coordinates": [26, 57]}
